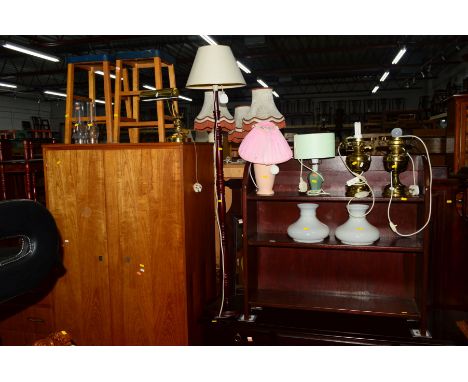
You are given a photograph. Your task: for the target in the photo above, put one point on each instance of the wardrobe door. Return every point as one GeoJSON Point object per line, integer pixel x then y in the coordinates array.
{"type": "Point", "coordinates": [146, 245]}
{"type": "Point", "coordinates": [75, 192]}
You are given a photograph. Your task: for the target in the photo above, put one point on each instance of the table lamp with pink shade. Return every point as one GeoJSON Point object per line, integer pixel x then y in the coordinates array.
{"type": "Point", "coordinates": [265, 147]}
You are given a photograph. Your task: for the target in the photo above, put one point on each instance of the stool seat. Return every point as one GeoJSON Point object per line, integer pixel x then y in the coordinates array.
{"type": "Point", "coordinates": [89, 58]}
{"type": "Point", "coordinates": [142, 54]}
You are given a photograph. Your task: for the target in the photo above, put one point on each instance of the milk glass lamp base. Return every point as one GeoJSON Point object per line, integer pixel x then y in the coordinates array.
{"type": "Point", "coordinates": [357, 230]}
{"type": "Point", "coordinates": [308, 229]}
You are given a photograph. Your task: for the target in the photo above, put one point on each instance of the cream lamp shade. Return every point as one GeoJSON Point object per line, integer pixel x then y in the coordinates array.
{"type": "Point", "coordinates": [263, 109]}
{"type": "Point", "coordinates": [215, 65]}
{"type": "Point", "coordinates": [314, 146]}
{"type": "Point", "coordinates": [205, 119]}
{"type": "Point", "coordinates": [239, 133]}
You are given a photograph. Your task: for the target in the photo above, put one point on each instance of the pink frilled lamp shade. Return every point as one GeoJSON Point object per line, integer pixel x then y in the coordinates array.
{"type": "Point", "coordinates": [205, 119]}
{"type": "Point", "coordinates": [265, 147]}
{"type": "Point", "coordinates": [239, 133]}
{"type": "Point", "coordinates": [263, 109]}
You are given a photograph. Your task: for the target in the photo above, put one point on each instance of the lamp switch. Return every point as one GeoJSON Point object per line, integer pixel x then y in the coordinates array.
{"type": "Point", "coordinates": [302, 185]}
{"type": "Point", "coordinates": [352, 181]}
{"type": "Point", "coordinates": [413, 190]}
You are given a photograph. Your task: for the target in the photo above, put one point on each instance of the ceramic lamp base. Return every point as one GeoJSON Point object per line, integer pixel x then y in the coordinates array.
{"type": "Point", "coordinates": [264, 179]}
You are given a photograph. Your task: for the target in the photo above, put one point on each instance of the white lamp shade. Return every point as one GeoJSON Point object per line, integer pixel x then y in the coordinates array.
{"type": "Point", "coordinates": [239, 133]}
{"type": "Point", "coordinates": [263, 109]}
{"type": "Point", "coordinates": [215, 65]}
{"type": "Point", "coordinates": [205, 119]}
{"type": "Point", "coordinates": [239, 113]}
{"type": "Point", "coordinates": [314, 146]}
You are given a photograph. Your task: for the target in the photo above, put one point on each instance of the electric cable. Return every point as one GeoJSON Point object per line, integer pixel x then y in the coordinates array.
{"type": "Point", "coordinates": [220, 235]}
{"type": "Point", "coordinates": [393, 226]}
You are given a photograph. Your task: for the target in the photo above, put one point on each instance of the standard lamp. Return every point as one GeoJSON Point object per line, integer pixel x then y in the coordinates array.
{"type": "Point", "coordinates": [314, 146]}
{"type": "Point", "coordinates": [215, 67]}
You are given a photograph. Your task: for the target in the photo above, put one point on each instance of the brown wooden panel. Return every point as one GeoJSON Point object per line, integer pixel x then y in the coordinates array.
{"type": "Point", "coordinates": [199, 241]}
{"type": "Point", "coordinates": [76, 197]}
{"type": "Point", "coordinates": [368, 273]}
{"type": "Point", "coordinates": [145, 231]}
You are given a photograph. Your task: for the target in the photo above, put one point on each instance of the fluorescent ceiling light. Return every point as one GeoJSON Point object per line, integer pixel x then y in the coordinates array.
{"type": "Point", "coordinates": [149, 87]}
{"type": "Point", "coordinates": [101, 73]}
{"type": "Point", "coordinates": [8, 85]}
{"type": "Point", "coordinates": [208, 39]}
{"type": "Point", "coordinates": [31, 52]}
{"type": "Point", "coordinates": [99, 101]}
{"type": "Point", "coordinates": [243, 67]}
{"type": "Point", "coordinates": [384, 76]}
{"type": "Point", "coordinates": [185, 98]}
{"type": "Point", "coordinates": [262, 83]}
{"type": "Point", "coordinates": [156, 99]}
{"type": "Point", "coordinates": [55, 93]}
{"type": "Point", "coordinates": [275, 94]}
{"type": "Point", "coordinates": [399, 56]}
{"type": "Point", "coordinates": [375, 89]}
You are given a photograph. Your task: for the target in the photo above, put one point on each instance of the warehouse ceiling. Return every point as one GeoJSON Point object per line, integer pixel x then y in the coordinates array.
{"type": "Point", "coordinates": [295, 66]}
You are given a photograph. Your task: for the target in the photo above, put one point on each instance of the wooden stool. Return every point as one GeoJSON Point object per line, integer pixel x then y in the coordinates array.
{"type": "Point", "coordinates": [91, 64]}
{"type": "Point", "coordinates": [135, 61]}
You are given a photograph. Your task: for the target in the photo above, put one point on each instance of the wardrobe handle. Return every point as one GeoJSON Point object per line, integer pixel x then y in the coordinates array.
{"type": "Point", "coordinates": [35, 319]}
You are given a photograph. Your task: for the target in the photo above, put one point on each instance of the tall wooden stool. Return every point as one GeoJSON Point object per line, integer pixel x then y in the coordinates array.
{"type": "Point", "coordinates": [135, 61]}
{"type": "Point", "coordinates": [91, 64]}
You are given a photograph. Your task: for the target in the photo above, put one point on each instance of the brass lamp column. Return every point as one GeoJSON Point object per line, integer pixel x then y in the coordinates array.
{"type": "Point", "coordinates": [358, 160]}
{"type": "Point", "coordinates": [396, 162]}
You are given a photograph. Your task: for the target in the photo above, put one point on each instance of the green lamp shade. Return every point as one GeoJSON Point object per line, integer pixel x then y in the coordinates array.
{"type": "Point", "coordinates": [314, 146]}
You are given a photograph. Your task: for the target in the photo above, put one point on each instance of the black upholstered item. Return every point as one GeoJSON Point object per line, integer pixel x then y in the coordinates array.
{"type": "Point", "coordinates": [24, 267]}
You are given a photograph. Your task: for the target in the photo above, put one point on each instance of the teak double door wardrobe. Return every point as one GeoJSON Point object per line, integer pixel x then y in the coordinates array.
{"type": "Point", "coordinates": [138, 246]}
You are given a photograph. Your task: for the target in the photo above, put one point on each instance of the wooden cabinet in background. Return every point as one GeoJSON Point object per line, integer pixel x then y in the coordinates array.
{"type": "Point", "coordinates": [138, 244]}
{"type": "Point", "coordinates": [457, 131]}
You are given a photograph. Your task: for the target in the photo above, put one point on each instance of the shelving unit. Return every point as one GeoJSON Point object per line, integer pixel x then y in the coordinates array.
{"type": "Point", "coordinates": [387, 279]}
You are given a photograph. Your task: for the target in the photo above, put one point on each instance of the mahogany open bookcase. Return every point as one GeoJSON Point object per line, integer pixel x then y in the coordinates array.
{"type": "Point", "coordinates": [388, 278]}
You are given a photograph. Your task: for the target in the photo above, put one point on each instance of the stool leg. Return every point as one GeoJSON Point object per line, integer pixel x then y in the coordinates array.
{"type": "Point", "coordinates": [117, 102]}
{"type": "Point", "coordinates": [159, 104]}
{"type": "Point", "coordinates": [92, 85]}
{"type": "Point", "coordinates": [126, 86]}
{"type": "Point", "coordinates": [108, 99]}
{"type": "Point", "coordinates": [69, 103]}
{"type": "Point", "coordinates": [134, 133]}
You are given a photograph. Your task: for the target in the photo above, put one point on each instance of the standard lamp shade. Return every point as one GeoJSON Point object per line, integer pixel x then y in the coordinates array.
{"type": "Point", "coordinates": [215, 65]}
{"type": "Point", "coordinates": [205, 119]}
{"type": "Point", "coordinates": [263, 109]}
{"type": "Point", "coordinates": [239, 133]}
{"type": "Point", "coordinates": [314, 146]}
